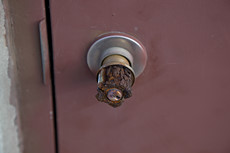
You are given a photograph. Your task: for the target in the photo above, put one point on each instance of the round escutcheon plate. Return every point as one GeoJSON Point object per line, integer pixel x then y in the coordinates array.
{"type": "Point", "coordinates": [113, 43]}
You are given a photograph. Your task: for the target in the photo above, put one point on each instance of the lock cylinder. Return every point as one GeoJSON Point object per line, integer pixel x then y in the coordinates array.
{"type": "Point", "coordinates": [117, 59]}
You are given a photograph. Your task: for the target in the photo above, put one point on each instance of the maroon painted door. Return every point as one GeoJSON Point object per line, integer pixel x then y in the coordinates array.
{"type": "Point", "coordinates": [180, 103]}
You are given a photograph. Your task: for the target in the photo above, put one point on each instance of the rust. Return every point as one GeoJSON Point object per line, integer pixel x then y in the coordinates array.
{"type": "Point", "coordinates": [115, 76]}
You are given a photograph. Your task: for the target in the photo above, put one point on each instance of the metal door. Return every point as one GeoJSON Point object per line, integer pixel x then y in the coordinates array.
{"type": "Point", "coordinates": [180, 103]}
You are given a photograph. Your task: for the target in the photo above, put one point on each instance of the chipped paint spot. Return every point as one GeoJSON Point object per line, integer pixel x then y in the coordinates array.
{"type": "Point", "coordinates": [9, 142]}
{"type": "Point", "coordinates": [136, 28]}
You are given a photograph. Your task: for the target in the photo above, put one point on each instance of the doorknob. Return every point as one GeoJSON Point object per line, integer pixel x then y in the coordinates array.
{"type": "Point", "coordinates": [116, 59]}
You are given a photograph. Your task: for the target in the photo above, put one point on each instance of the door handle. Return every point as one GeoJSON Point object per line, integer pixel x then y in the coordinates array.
{"type": "Point", "coordinates": [116, 59]}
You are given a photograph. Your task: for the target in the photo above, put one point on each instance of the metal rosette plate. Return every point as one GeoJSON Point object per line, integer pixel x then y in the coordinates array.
{"type": "Point", "coordinates": [117, 43]}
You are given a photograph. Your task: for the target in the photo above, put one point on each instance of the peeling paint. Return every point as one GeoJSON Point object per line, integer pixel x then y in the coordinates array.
{"type": "Point", "coordinates": [9, 142]}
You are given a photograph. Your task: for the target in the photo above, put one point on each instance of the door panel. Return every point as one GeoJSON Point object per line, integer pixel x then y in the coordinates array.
{"type": "Point", "coordinates": [181, 101]}
{"type": "Point", "coordinates": [32, 98]}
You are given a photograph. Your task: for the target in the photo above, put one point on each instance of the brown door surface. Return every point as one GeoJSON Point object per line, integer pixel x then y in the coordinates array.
{"type": "Point", "coordinates": [181, 102]}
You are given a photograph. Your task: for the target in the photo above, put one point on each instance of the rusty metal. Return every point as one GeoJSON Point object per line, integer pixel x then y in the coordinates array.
{"type": "Point", "coordinates": [122, 56]}
{"type": "Point", "coordinates": [115, 78]}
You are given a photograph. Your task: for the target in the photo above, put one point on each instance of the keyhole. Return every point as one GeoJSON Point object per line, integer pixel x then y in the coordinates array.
{"type": "Point", "coordinates": [114, 94]}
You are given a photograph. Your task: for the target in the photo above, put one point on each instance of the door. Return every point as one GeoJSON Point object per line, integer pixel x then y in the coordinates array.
{"type": "Point", "coordinates": [181, 101]}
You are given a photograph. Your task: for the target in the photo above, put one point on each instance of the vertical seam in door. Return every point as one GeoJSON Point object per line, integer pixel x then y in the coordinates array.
{"type": "Point", "coordinates": [49, 35]}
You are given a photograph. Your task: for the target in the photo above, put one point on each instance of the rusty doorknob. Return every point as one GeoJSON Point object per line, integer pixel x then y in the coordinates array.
{"type": "Point", "coordinates": [116, 59]}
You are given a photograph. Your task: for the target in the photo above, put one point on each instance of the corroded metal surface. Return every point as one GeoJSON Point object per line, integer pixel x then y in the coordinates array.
{"type": "Point", "coordinates": [111, 78]}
